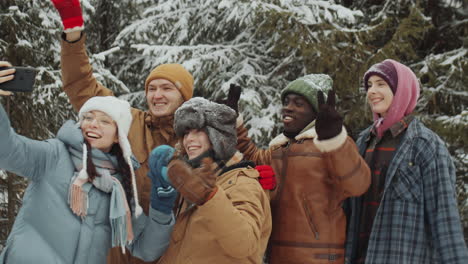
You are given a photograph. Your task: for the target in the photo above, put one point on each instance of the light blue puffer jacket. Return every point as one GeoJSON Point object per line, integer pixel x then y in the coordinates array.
{"type": "Point", "coordinates": [46, 231]}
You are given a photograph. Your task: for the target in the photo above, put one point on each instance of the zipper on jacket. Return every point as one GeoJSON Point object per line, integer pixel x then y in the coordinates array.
{"type": "Point", "coordinates": [284, 162]}
{"type": "Point", "coordinates": [309, 218]}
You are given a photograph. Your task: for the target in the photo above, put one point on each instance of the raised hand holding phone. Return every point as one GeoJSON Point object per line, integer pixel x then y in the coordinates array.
{"type": "Point", "coordinates": [16, 79]}
{"type": "Point", "coordinates": [5, 76]}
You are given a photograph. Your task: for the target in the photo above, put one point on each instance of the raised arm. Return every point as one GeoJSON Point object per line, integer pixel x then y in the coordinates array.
{"type": "Point", "coordinates": [244, 144]}
{"type": "Point", "coordinates": [347, 168]}
{"type": "Point", "coordinates": [23, 156]}
{"type": "Point", "coordinates": [77, 74]}
{"type": "Point", "coordinates": [247, 147]}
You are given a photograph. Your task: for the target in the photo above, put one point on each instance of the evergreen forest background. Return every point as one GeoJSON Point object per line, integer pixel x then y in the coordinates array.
{"type": "Point", "coordinates": [261, 45]}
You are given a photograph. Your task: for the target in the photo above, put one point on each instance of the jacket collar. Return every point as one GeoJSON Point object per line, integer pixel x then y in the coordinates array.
{"type": "Point", "coordinates": [236, 158]}
{"type": "Point", "coordinates": [307, 133]}
{"type": "Point", "coordinates": [159, 122]}
{"type": "Point", "coordinates": [236, 162]}
{"type": "Point", "coordinates": [195, 163]}
{"type": "Point", "coordinates": [398, 127]}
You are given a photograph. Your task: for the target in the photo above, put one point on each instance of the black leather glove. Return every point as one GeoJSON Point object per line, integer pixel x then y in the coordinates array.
{"type": "Point", "coordinates": [328, 123]}
{"type": "Point", "coordinates": [233, 97]}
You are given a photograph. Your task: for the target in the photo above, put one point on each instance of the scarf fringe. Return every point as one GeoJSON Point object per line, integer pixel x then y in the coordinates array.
{"type": "Point", "coordinates": [78, 200]}
{"type": "Point", "coordinates": [119, 233]}
{"type": "Point", "coordinates": [122, 231]}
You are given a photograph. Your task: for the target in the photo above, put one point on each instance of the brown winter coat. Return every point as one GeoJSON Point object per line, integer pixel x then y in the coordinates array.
{"type": "Point", "coordinates": [232, 227]}
{"type": "Point", "coordinates": [308, 221]}
{"type": "Point", "coordinates": [80, 85]}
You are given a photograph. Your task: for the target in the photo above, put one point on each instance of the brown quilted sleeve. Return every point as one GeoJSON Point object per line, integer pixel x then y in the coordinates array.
{"type": "Point", "coordinates": [77, 74]}
{"type": "Point", "coordinates": [348, 169]}
{"type": "Point", "coordinates": [250, 150]}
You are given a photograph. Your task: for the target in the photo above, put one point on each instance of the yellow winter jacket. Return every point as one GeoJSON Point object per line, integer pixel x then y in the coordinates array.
{"type": "Point", "coordinates": [232, 227]}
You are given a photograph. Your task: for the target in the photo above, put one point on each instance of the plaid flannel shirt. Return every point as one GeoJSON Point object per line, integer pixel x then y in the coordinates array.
{"type": "Point", "coordinates": [418, 219]}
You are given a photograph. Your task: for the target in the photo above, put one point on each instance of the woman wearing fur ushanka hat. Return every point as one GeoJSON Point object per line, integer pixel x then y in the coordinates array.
{"type": "Point", "coordinates": [224, 214]}
{"type": "Point", "coordinates": [81, 199]}
{"type": "Point", "coordinates": [409, 214]}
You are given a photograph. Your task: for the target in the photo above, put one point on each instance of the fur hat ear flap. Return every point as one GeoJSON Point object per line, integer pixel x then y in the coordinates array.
{"type": "Point", "coordinates": [223, 142]}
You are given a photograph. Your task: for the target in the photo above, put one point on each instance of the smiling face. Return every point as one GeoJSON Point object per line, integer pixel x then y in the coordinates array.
{"type": "Point", "coordinates": [163, 97]}
{"type": "Point", "coordinates": [196, 142]}
{"type": "Point", "coordinates": [99, 130]}
{"type": "Point", "coordinates": [297, 113]}
{"type": "Point", "coordinates": [379, 95]}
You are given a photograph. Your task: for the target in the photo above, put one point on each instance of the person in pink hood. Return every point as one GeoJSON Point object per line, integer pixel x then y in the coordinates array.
{"type": "Point", "coordinates": [409, 214]}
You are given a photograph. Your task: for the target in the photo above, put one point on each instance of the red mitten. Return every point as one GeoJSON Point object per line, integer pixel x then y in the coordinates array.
{"type": "Point", "coordinates": [267, 177]}
{"type": "Point", "coordinates": [70, 12]}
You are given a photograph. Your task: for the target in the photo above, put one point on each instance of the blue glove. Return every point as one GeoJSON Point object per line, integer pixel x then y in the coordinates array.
{"type": "Point", "coordinates": [163, 195]}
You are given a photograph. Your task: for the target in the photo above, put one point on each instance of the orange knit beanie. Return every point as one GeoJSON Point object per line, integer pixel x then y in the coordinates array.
{"type": "Point", "coordinates": [175, 73]}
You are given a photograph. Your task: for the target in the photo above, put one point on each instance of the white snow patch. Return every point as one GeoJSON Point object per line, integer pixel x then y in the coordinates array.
{"type": "Point", "coordinates": [24, 43]}
{"type": "Point", "coordinates": [3, 175]}
{"type": "Point", "coordinates": [102, 55]}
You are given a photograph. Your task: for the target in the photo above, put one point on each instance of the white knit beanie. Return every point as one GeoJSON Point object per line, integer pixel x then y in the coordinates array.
{"type": "Point", "coordinates": [119, 111]}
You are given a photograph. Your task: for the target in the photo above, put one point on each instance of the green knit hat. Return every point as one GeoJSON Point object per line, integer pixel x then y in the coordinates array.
{"type": "Point", "coordinates": [308, 86]}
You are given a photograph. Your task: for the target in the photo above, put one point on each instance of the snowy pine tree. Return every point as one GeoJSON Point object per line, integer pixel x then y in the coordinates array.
{"type": "Point", "coordinates": [256, 44]}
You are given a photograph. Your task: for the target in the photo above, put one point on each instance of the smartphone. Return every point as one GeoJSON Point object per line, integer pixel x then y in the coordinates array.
{"type": "Point", "coordinates": [22, 82]}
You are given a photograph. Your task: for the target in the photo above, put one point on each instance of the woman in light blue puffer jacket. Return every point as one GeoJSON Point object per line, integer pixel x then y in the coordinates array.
{"type": "Point", "coordinates": [81, 199]}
